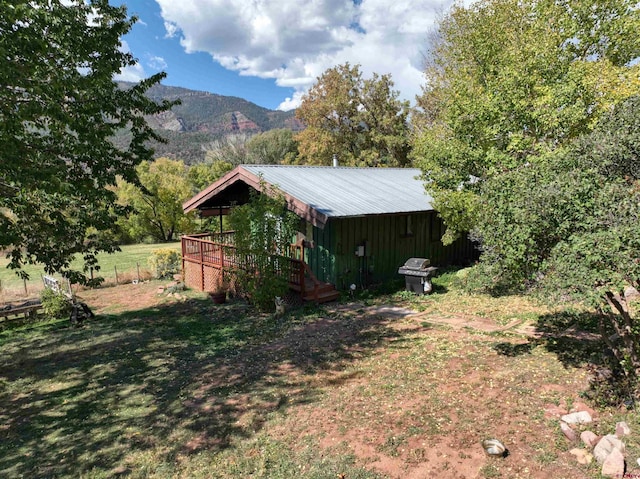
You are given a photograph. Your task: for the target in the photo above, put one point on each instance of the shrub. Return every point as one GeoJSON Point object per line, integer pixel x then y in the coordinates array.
{"type": "Point", "coordinates": [264, 230]}
{"type": "Point", "coordinates": [55, 305]}
{"type": "Point", "coordinates": [165, 262]}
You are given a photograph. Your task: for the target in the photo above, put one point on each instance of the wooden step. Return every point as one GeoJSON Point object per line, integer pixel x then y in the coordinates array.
{"type": "Point", "coordinates": [325, 292]}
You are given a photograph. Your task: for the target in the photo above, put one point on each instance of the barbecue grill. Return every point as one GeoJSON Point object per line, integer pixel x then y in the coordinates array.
{"type": "Point", "coordinates": [416, 273]}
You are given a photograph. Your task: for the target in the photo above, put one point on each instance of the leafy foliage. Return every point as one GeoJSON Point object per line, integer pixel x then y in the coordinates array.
{"type": "Point", "coordinates": [360, 120]}
{"type": "Point", "coordinates": [157, 202]}
{"type": "Point", "coordinates": [273, 147]}
{"type": "Point", "coordinates": [264, 230]}
{"type": "Point", "coordinates": [54, 304]}
{"type": "Point", "coordinates": [59, 109]}
{"type": "Point", "coordinates": [203, 174]}
{"type": "Point", "coordinates": [165, 262]}
{"type": "Point", "coordinates": [511, 81]}
{"type": "Point", "coordinates": [570, 226]}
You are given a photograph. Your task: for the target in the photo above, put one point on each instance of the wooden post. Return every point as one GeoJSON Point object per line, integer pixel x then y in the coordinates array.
{"type": "Point", "coordinates": [201, 266]}
{"type": "Point", "coordinates": [115, 268]}
{"type": "Point", "coordinates": [138, 271]}
{"type": "Point", "coordinates": [183, 244]}
{"type": "Point", "coordinates": [26, 293]}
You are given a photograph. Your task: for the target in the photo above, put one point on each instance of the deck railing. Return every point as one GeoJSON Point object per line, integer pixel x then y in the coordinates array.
{"type": "Point", "coordinates": [217, 251]}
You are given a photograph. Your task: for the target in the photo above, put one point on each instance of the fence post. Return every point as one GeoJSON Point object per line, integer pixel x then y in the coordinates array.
{"type": "Point", "coordinates": [26, 293]}
{"type": "Point", "coordinates": [115, 268]}
{"type": "Point", "coordinates": [138, 270]}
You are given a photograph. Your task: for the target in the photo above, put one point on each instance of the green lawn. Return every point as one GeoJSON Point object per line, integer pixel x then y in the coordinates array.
{"type": "Point", "coordinates": [124, 261]}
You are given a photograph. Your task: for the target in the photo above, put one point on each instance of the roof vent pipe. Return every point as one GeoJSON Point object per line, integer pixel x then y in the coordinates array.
{"type": "Point", "coordinates": [335, 160]}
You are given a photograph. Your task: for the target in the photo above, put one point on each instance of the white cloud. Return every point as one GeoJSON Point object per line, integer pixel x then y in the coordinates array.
{"type": "Point", "coordinates": [294, 41]}
{"type": "Point", "coordinates": [291, 103]}
{"type": "Point", "coordinates": [172, 29]}
{"type": "Point", "coordinates": [133, 73]}
{"type": "Point", "coordinates": [156, 63]}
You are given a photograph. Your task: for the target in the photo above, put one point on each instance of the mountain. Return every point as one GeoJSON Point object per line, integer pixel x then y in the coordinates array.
{"type": "Point", "coordinates": [203, 118]}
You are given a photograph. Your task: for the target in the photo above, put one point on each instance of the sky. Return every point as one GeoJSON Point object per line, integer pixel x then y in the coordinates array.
{"type": "Point", "coordinates": [271, 52]}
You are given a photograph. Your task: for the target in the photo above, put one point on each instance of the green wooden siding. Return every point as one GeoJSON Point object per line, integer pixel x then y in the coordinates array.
{"type": "Point", "coordinates": [388, 244]}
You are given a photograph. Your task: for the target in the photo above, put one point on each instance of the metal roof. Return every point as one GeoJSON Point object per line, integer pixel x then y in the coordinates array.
{"type": "Point", "coordinates": [346, 191]}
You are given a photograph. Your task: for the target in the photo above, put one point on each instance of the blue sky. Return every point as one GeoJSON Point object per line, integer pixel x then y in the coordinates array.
{"type": "Point", "coordinates": [271, 51]}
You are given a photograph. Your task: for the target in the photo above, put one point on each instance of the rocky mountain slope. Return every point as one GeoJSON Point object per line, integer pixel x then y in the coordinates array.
{"type": "Point", "coordinates": [203, 117]}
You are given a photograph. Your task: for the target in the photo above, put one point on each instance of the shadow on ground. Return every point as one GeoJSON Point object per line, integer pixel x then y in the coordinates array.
{"type": "Point", "coordinates": [573, 336]}
{"type": "Point", "coordinates": [162, 382]}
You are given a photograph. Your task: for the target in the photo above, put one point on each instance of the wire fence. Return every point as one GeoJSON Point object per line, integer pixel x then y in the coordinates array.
{"type": "Point", "coordinates": [121, 273]}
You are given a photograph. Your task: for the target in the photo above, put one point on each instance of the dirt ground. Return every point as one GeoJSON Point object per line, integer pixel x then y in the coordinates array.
{"type": "Point", "coordinates": [419, 403]}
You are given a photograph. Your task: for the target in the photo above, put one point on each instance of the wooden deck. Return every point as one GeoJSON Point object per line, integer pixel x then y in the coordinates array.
{"type": "Point", "coordinates": [208, 260]}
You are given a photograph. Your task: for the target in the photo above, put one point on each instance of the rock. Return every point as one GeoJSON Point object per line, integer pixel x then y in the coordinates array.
{"type": "Point", "coordinates": [553, 411]}
{"type": "Point", "coordinates": [614, 464]}
{"type": "Point", "coordinates": [582, 455]}
{"type": "Point", "coordinates": [622, 429]}
{"type": "Point", "coordinates": [605, 445]}
{"type": "Point", "coordinates": [580, 406]}
{"type": "Point", "coordinates": [589, 439]}
{"type": "Point", "coordinates": [160, 290]}
{"type": "Point", "coordinates": [568, 432]}
{"type": "Point", "coordinates": [631, 292]}
{"type": "Point", "coordinates": [579, 417]}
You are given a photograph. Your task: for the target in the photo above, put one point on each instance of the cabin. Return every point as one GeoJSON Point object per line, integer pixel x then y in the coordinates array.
{"type": "Point", "coordinates": [357, 225]}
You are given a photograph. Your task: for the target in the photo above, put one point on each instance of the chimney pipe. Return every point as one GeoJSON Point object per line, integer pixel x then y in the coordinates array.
{"type": "Point", "coordinates": [335, 160]}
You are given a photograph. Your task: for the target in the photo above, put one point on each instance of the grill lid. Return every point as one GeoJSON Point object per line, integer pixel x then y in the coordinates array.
{"type": "Point", "coordinates": [416, 264]}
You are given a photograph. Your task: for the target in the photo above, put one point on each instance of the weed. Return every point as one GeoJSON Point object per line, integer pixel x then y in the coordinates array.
{"type": "Point", "coordinates": [490, 470]}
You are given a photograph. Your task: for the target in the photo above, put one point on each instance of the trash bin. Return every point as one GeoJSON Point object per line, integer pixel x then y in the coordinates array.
{"type": "Point", "coordinates": [416, 273]}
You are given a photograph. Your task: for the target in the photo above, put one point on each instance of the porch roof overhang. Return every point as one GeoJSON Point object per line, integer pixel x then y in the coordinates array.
{"type": "Point", "coordinates": [234, 189]}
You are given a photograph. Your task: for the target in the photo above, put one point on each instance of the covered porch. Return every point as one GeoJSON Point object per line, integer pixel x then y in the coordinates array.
{"type": "Point", "coordinates": [210, 260]}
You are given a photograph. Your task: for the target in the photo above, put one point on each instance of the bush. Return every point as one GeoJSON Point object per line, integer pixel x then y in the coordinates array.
{"type": "Point", "coordinates": [165, 263]}
{"type": "Point", "coordinates": [55, 305]}
{"type": "Point", "coordinates": [264, 230]}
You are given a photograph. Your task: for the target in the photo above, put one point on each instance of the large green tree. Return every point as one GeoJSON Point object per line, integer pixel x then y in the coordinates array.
{"type": "Point", "coordinates": [59, 109]}
{"type": "Point", "coordinates": [273, 147]}
{"type": "Point", "coordinates": [156, 201]}
{"type": "Point", "coordinates": [203, 174]}
{"type": "Point", "coordinates": [360, 120]}
{"type": "Point", "coordinates": [569, 226]}
{"type": "Point", "coordinates": [508, 81]}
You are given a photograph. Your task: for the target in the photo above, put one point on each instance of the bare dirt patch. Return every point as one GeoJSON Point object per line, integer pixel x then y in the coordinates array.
{"type": "Point", "coordinates": [127, 297]}
{"type": "Point", "coordinates": [422, 412]}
